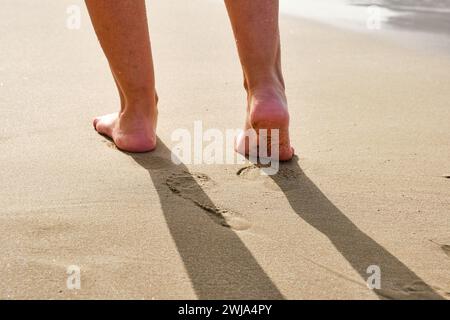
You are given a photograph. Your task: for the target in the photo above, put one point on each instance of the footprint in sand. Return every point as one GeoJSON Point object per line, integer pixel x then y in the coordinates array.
{"type": "Point", "coordinates": [109, 143]}
{"type": "Point", "coordinates": [286, 178]}
{"type": "Point", "coordinates": [190, 186]}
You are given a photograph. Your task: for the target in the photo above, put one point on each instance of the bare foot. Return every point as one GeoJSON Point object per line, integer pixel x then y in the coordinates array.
{"type": "Point", "coordinates": [267, 109]}
{"type": "Point", "coordinates": [130, 132]}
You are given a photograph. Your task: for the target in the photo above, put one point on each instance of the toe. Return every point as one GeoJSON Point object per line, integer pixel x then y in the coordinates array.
{"type": "Point", "coordinates": [95, 121]}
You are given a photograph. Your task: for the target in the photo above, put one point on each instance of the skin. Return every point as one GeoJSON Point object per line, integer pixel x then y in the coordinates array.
{"type": "Point", "coordinates": [122, 29]}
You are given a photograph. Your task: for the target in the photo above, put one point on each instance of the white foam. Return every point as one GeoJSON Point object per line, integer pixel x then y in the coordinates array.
{"type": "Point", "coordinates": [334, 11]}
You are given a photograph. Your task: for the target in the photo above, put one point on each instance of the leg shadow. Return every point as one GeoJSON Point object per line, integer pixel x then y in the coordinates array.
{"type": "Point", "coordinates": [217, 261]}
{"type": "Point", "coordinates": [397, 280]}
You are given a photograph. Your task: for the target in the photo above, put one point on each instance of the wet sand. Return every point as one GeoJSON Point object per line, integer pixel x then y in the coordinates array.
{"type": "Point", "coordinates": [415, 15]}
{"type": "Point", "coordinates": [369, 186]}
{"type": "Point", "coordinates": [417, 24]}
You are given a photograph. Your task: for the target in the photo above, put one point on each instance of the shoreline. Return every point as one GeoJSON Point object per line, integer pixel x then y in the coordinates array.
{"type": "Point", "coordinates": [413, 26]}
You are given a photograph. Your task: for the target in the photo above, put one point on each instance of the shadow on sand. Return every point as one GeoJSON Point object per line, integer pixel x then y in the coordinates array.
{"type": "Point", "coordinates": [361, 251]}
{"type": "Point", "coordinates": [221, 267]}
{"type": "Point", "coordinates": [216, 260]}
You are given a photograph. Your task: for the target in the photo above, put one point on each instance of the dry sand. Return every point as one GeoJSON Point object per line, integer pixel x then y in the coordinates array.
{"type": "Point", "coordinates": [370, 123]}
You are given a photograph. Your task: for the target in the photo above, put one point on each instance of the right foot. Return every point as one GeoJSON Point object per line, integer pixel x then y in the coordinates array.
{"type": "Point", "coordinates": [130, 132]}
{"type": "Point", "coordinates": [267, 109]}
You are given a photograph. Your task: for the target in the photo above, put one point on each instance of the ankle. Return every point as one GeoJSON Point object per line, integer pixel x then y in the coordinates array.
{"type": "Point", "coordinates": [144, 106]}
{"type": "Point", "coordinates": [267, 95]}
{"type": "Point", "coordinates": [271, 87]}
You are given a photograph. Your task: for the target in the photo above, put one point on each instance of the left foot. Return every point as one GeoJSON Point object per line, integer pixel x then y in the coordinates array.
{"type": "Point", "coordinates": [129, 131]}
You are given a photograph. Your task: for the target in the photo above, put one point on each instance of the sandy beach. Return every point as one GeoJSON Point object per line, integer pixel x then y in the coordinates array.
{"type": "Point", "coordinates": [369, 187]}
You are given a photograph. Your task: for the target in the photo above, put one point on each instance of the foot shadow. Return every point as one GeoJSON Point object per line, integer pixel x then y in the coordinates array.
{"type": "Point", "coordinates": [217, 261]}
{"type": "Point", "coordinates": [361, 251]}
